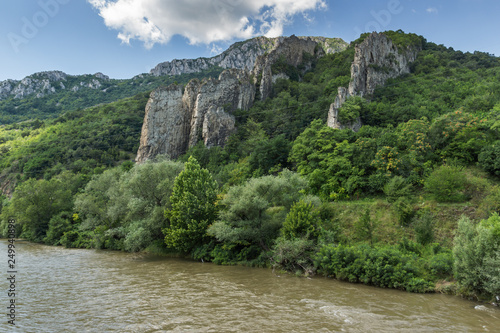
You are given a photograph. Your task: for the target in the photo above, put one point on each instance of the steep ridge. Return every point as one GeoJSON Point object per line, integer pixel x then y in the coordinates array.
{"type": "Point", "coordinates": [46, 83]}
{"type": "Point", "coordinates": [177, 119]}
{"type": "Point", "coordinates": [241, 55]}
{"type": "Point", "coordinates": [376, 59]}
{"type": "Point", "coordinates": [291, 50]}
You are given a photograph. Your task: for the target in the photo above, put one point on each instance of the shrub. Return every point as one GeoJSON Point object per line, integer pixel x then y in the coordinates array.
{"type": "Point", "coordinates": [424, 228]}
{"type": "Point", "coordinates": [446, 184]}
{"type": "Point", "coordinates": [476, 255]}
{"type": "Point", "coordinates": [396, 188]}
{"type": "Point", "coordinates": [365, 227]}
{"type": "Point", "coordinates": [294, 255]}
{"type": "Point", "coordinates": [58, 225]}
{"type": "Point", "coordinates": [382, 267]}
{"type": "Point", "coordinates": [403, 210]}
{"type": "Point", "coordinates": [301, 221]}
{"type": "Point", "coordinates": [489, 158]}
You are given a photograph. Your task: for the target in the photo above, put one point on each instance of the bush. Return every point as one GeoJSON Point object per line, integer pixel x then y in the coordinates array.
{"type": "Point", "coordinates": [476, 255]}
{"type": "Point", "coordinates": [301, 221]}
{"type": "Point", "coordinates": [446, 184]}
{"type": "Point", "coordinates": [396, 188]}
{"type": "Point", "coordinates": [424, 228]}
{"type": "Point", "coordinates": [382, 267]}
{"type": "Point", "coordinates": [403, 210]}
{"type": "Point", "coordinates": [294, 255]}
{"type": "Point", "coordinates": [365, 227]}
{"type": "Point", "coordinates": [489, 158]}
{"type": "Point", "coordinates": [58, 225]}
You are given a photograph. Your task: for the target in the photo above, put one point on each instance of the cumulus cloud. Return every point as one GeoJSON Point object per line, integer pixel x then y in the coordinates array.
{"type": "Point", "coordinates": [200, 21]}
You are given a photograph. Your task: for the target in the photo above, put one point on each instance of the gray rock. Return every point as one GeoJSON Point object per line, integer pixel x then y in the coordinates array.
{"type": "Point", "coordinates": [241, 55]}
{"type": "Point", "coordinates": [177, 118]}
{"type": "Point", "coordinates": [291, 50]}
{"type": "Point", "coordinates": [44, 83]}
{"type": "Point", "coordinates": [376, 59]}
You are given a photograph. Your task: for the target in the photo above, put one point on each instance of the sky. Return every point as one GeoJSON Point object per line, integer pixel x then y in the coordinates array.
{"type": "Point", "coordinates": [124, 38]}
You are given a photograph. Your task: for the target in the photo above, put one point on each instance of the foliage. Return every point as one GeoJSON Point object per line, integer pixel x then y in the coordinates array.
{"type": "Point", "coordinates": [424, 228]}
{"type": "Point", "coordinates": [254, 212]}
{"type": "Point", "coordinates": [476, 252]}
{"type": "Point", "coordinates": [300, 221]}
{"type": "Point", "coordinates": [124, 209]}
{"type": "Point", "coordinates": [58, 226]}
{"type": "Point", "coordinates": [36, 202]}
{"type": "Point", "coordinates": [396, 188]}
{"type": "Point", "coordinates": [446, 184]}
{"type": "Point", "coordinates": [294, 255]}
{"type": "Point", "coordinates": [351, 109]}
{"type": "Point", "coordinates": [489, 158]}
{"type": "Point", "coordinates": [365, 227]}
{"type": "Point", "coordinates": [378, 266]}
{"type": "Point", "coordinates": [193, 208]}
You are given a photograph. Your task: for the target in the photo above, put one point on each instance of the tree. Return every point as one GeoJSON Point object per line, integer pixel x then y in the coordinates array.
{"type": "Point", "coordinates": [193, 208]}
{"type": "Point", "coordinates": [35, 202]}
{"type": "Point", "coordinates": [254, 212]}
{"type": "Point", "coordinates": [301, 221]}
{"type": "Point", "coordinates": [476, 253]}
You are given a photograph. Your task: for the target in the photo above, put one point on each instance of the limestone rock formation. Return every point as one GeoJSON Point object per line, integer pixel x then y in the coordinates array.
{"type": "Point", "coordinates": [177, 118]}
{"type": "Point", "coordinates": [46, 83]}
{"type": "Point", "coordinates": [291, 50]}
{"type": "Point", "coordinates": [376, 59]}
{"type": "Point", "coordinates": [241, 55]}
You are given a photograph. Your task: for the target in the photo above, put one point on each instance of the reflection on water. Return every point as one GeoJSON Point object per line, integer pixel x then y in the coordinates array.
{"type": "Point", "coordinates": [73, 290]}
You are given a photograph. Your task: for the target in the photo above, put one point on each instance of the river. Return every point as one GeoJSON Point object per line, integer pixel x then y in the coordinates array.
{"type": "Point", "coordinates": [75, 290]}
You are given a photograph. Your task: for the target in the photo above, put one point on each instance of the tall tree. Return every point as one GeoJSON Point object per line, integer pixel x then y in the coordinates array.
{"type": "Point", "coordinates": [193, 207]}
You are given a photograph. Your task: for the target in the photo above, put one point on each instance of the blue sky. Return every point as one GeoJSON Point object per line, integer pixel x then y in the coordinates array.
{"type": "Point", "coordinates": [123, 38]}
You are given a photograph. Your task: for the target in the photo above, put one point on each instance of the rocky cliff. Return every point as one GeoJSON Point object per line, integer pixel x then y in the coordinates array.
{"type": "Point", "coordinates": [290, 50]}
{"type": "Point", "coordinates": [241, 55]}
{"type": "Point", "coordinates": [46, 83]}
{"type": "Point", "coordinates": [376, 59]}
{"type": "Point", "coordinates": [177, 118]}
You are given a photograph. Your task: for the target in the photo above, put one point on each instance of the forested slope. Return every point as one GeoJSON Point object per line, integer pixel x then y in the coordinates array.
{"type": "Point", "coordinates": [379, 206]}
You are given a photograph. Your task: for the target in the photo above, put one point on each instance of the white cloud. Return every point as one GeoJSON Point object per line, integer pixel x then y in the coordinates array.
{"type": "Point", "coordinates": [200, 21]}
{"type": "Point", "coordinates": [432, 10]}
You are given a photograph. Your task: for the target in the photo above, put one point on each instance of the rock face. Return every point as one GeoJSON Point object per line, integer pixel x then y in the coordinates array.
{"type": "Point", "coordinates": [46, 83]}
{"type": "Point", "coordinates": [241, 55]}
{"type": "Point", "coordinates": [177, 118]}
{"type": "Point", "coordinates": [291, 50]}
{"type": "Point", "coordinates": [376, 59]}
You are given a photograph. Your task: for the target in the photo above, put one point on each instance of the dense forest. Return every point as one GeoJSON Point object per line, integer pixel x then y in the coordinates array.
{"type": "Point", "coordinates": [410, 201]}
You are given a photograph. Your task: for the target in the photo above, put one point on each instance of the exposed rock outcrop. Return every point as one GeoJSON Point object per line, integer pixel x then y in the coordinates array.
{"type": "Point", "coordinates": [241, 55]}
{"type": "Point", "coordinates": [376, 59]}
{"type": "Point", "coordinates": [46, 83]}
{"type": "Point", "coordinates": [291, 50]}
{"type": "Point", "coordinates": [178, 118]}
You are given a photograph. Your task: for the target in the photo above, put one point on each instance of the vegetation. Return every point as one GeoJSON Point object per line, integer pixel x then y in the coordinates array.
{"type": "Point", "coordinates": [407, 202]}
{"type": "Point", "coordinates": [14, 110]}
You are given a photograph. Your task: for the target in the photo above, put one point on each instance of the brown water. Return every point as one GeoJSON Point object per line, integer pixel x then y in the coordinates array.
{"type": "Point", "coordinates": [73, 290]}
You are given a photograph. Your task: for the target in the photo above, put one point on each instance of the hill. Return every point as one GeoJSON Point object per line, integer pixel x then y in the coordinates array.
{"type": "Point", "coordinates": [380, 203]}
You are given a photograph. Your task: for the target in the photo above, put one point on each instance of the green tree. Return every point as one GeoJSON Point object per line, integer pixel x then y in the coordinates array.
{"type": "Point", "coordinates": [476, 253]}
{"type": "Point", "coordinates": [254, 212]}
{"type": "Point", "coordinates": [301, 221]}
{"type": "Point", "coordinates": [35, 202]}
{"type": "Point", "coordinates": [193, 208]}
{"type": "Point", "coordinates": [365, 227]}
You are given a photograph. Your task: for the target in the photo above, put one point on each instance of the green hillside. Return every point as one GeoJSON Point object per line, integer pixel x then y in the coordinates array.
{"type": "Point", "coordinates": [411, 201]}
{"type": "Point", "coordinates": [13, 110]}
